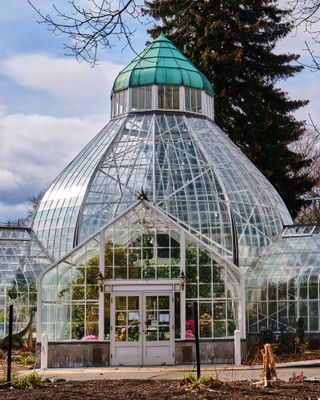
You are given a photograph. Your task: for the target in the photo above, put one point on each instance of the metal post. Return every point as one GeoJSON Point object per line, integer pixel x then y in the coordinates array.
{"type": "Point", "coordinates": [237, 347]}
{"type": "Point", "coordinates": [44, 351]}
{"type": "Point", "coordinates": [10, 343]}
{"type": "Point", "coordinates": [196, 331]}
{"type": "Point", "coordinates": [102, 247]}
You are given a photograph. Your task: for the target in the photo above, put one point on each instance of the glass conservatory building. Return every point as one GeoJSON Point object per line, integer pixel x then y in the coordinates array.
{"type": "Point", "coordinates": [161, 210]}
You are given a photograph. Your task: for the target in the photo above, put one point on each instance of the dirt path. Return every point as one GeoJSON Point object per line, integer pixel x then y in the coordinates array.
{"type": "Point", "coordinates": [161, 390]}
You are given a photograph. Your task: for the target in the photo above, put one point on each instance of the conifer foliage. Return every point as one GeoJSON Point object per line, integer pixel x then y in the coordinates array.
{"type": "Point", "coordinates": [233, 43]}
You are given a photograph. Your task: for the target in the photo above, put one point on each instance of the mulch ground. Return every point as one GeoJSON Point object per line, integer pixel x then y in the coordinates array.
{"type": "Point", "coordinates": [254, 355]}
{"type": "Point", "coordinates": [161, 390]}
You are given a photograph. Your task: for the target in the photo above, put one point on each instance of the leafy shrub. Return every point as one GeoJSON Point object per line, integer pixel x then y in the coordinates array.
{"type": "Point", "coordinates": [27, 381]}
{"type": "Point", "coordinates": [314, 343]}
{"type": "Point", "coordinates": [209, 382]}
{"type": "Point", "coordinates": [27, 359]}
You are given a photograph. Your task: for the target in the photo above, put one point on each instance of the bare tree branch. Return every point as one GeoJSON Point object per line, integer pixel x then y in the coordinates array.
{"type": "Point", "coordinates": [306, 14]}
{"type": "Point", "coordinates": [309, 147]}
{"type": "Point", "coordinates": [92, 28]}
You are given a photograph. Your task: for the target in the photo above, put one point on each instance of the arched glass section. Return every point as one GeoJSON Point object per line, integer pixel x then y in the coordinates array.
{"type": "Point", "coordinates": [159, 154]}
{"type": "Point", "coordinates": [285, 284]}
{"type": "Point", "coordinates": [186, 165]}
{"type": "Point", "coordinates": [258, 210]}
{"type": "Point", "coordinates": [56, 216]}
{"type": "Point", "coordinates": [22, 259]}
{"type": "Point", "coordinates": [142, 244]}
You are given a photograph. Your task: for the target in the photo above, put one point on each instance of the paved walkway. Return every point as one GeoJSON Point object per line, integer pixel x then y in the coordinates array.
{"type": "Point", "coordinates": [310, 369]}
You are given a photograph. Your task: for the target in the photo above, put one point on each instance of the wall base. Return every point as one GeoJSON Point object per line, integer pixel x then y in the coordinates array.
{"type": "Point", "coordinates": [97, 354]}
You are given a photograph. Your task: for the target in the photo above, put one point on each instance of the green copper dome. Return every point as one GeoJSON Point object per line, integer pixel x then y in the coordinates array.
{"type": "Point", "coordinates": [161, 63]}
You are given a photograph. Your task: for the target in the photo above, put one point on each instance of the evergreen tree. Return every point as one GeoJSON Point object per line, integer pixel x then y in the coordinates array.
{"type": "Point", "coordinates": [233, 43]}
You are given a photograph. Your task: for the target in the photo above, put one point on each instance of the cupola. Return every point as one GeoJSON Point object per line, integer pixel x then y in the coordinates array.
{"type": "Point", "coordinates": [162, 78]}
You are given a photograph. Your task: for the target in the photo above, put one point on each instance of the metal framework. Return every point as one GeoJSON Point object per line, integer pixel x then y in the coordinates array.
{"type": "Point", "coordinates": [142, 244]}
{"type": "Point", "coordinates": [186, 165]}
{"type": "Point", "coordinates": [22, 259]}
{"type": "Point", "coordinates": [285, 284]}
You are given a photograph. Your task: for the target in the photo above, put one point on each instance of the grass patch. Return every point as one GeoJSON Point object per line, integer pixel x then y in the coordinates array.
{"type": "Point", "coordinates": [204, 382]}
{"type": "Point", "coordinates": [28, 359]}
{"type": "Point", "coordinates": [31, 380]}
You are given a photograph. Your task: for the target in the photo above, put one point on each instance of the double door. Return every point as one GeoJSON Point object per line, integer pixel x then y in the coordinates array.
{"type": "Point", "coordinates": [142, 328]}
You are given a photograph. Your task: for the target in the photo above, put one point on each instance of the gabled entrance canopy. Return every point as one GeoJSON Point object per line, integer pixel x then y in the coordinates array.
{"type": "Point", "coordinates": [144, 245]}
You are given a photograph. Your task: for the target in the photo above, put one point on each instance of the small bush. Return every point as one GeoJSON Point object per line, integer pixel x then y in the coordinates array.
{"type": "Point", "coordinates": [188, 379]}
{"type": "Point", "coordinates": [209, 382]}
{"type": "Point", "coordinates": [27, 359]}
{"type": "Point", "coordinates": [27, 381]}
{"type": "Point", "coordinates": [2, 354]}
{"type": "Point", "coordinates": [314, 343]}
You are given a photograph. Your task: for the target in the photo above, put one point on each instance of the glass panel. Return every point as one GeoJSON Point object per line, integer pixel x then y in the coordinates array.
{"type": "Point", "coordinates": [187, 94]}
{"type": "Point", "coordinates": [121, 318]}
{"type": "Point", "coordinates": [157, 318]}
{"type": "Point", "coordinates": [175, 95]}
{"type": "Point", "coordinates": [121, 303]}
{"type": "Point", "coordinates": [205, 320]}
{"type": "Point", "coordinates": [127, 320]}
{"type": "Point", "coordinates": [163, 302]}
{"type": "Point", "coordinates": [168, 97]}
{"type": "Point", "coordinates": [133, 303]}
{"type": "Point", "coordinates": [134, 99]}
{"type": "Point", "coordinates": [141, 98]}
{"type": "Point", "coordinates": [199, 105]}
{"type": "Point", "coordinates": [148, 97]}
{"type": "Point", "coordinates": [193, 100]}
{"type": "Point", "coordinates": [177, 308]}
{"type": "Point", "coordinates": [107, 316]}
{"type": "Point", "coordinates": [161, 95]}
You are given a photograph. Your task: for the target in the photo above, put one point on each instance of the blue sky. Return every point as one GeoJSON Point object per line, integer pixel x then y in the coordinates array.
{"type": "Point", "coordinates": [52, 105]}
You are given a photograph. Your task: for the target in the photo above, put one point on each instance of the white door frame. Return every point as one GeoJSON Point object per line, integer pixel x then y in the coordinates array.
{"type": "Point", "coordinates": [142, 289]}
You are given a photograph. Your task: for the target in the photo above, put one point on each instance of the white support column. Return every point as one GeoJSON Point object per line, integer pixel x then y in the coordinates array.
{"type": "Point", "coordinates": [183, 291]}
{"type": "Point", "coordinates": [39, 306]}
{"type": "Point", "coordinates": [182, 98]}
{"type": "Point", "coordinates": [242, 306]}
{"type": "Point", "coordinates": [129, 100]}
{"type": "Point", "coordinates": [44, 352]}
{"type": "Point", "coordinates": [237, 347]}
{"type": "Point", "coordinates": [101, 288]}
{"type": "Point", "coordinates": [154, 97]}
{"type": "Point", "coordinates": [204, 103]}
{"type": "Point", "coordinates": [154, 166]}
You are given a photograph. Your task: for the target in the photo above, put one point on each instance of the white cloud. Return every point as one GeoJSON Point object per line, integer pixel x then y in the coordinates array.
{"type": "Point", "coordinates": [12, 211]}
{"type": "Point", "coordinates": [35, 148]}
{"type": "Point", "coordinates": [65, 78]}
{"type": "Point", "coordinates": [8, 180]}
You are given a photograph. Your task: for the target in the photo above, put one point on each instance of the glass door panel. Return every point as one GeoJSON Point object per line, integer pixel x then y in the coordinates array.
{"type": "Point", "coordinates": [126, 343]}
{"type": "Point", "coordinates": [127, 318]}
{"type": "Point", "coordinates": [158, 346]}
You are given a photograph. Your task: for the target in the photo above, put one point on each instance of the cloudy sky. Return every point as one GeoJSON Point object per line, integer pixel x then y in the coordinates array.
{"type": "Point", "coordinates": [52, 105]}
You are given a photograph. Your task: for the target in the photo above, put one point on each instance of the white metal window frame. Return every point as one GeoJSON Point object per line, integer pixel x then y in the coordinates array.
{"type": "Point", "coordinates": [118, 110]}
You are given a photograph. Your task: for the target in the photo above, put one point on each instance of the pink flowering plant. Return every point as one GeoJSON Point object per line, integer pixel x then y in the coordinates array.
{"type": "Point", "coordinates": [189, 329]}
{"type": "Point", "coordinates": [90, 337]}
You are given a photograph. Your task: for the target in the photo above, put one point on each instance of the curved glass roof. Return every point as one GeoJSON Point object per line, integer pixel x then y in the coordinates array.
{"type": "Point", "coordinates": [186, 165]}
{"type": "Point", "coordinates": [285, 283]}
{"type": "Point", "coordinates": [22, 259]}
{"type": "Point", "coordinates": [161, 63]}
